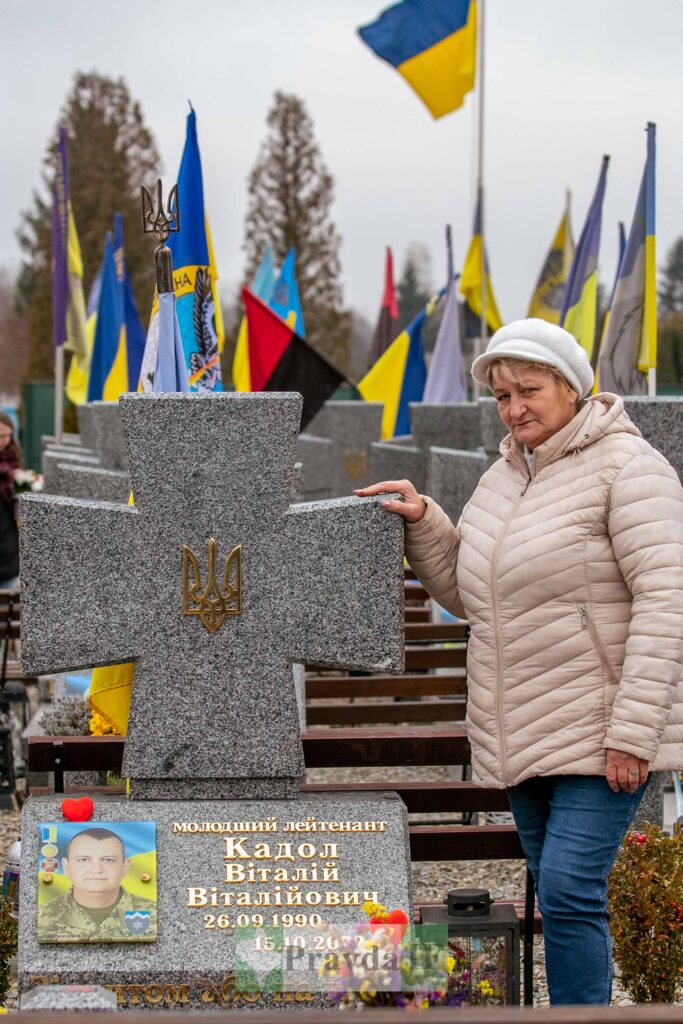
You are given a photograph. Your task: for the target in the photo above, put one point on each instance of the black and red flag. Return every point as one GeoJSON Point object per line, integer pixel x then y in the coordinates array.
{"type": "Point", "coordinates": [279, 360]}
{"type": "Point", "coordinates": [387, 322]}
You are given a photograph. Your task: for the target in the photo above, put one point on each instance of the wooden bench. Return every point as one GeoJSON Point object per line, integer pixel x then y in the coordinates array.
{"type": "Point", "coordinates": [421, 654]}
{"type": "Point", "coordinates": [10, 634]}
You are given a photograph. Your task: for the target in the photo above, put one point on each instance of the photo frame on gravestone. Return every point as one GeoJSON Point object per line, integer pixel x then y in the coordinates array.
{"type": "Point", "coordinates": [97, 881]}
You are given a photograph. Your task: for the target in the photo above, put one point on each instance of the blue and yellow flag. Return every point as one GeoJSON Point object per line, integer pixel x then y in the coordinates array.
{"type": "Point", "coordinates": [433, 45]}
{"type": "Point", "coordinates": [109, 364]}
{"type": "Point", "coordinates": [629, 346]}
{"type": "Point", "coordinates": [546, 302]}
{"type": "Point", "coordinates": [579, 306]}
{"type": "Point", "coordinates": [470, 280]}
{"type": "Point", "coordinates": [118, 336]}
{"type": "Point", "coordinates": [195, 279]}
{"type": "Point", "coordinates": [135, 333]}
{"type": "Point", "coordinates": [262, 286]}
{"type": "Point", "coordinates": [399, 375]}
{"type": "Point", "coordinates": [285, 297]}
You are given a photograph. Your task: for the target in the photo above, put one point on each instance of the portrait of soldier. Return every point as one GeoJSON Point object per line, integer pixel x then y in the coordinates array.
{"type": "Point", "coordinates": [97, 908]}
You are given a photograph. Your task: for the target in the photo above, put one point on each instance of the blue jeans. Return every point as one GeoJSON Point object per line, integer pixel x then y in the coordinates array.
{"type": "Point", "coordinates": [571, 828]}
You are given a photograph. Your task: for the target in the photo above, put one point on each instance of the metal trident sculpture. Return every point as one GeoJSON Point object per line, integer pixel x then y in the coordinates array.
{"type": "Point", "coordinates": [161, 223]}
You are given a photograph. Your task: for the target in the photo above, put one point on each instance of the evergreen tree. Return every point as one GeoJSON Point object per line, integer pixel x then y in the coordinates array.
{"type": "Point", "coordinates": [111, 153]}
{"type": "Point", "coordinates": [415, 285]}
{"type": "Point", "coordinates": [290, 197]}
{"type": "Point", "coordinates": [671, 284]}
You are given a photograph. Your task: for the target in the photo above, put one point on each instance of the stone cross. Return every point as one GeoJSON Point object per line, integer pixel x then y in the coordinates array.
{"type": "Point", "coordinates": [213, 585]}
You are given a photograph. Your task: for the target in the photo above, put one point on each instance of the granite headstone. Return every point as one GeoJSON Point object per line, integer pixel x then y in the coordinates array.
{"type": "Point", "coordinates": [351, 427]}
{"type": "Point", "coordinates": [398, 462]}
{"type": "Point", "coordinates": [86, 424]}
{"type": "Point", "coordinates": [493, 430]}
{"type": "Point", "coordinates": [213, 585]}
{"type": "Point", "coordinates": [453, 477]}
{"type": "Point", "coordinates": [660, 421]}
{"type": "Point", "coordinates": [110, 442]}
{"type": "Point", "coordinates": [314, 455]}
{"type": "Point", "coordinates": [456, 425]}
{"type": "Point", "coordinates": [99, 471]}
{"type": "Point", "coordinates": [55, 460]}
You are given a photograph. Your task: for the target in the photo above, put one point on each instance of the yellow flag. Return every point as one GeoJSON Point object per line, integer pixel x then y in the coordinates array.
{"type": "Point", "coordinates": [546, 302]}
{"type": "Point", "coordinates": [77, 341]}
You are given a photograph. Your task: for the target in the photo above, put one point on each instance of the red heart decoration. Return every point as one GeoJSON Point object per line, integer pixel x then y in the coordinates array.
{"type": "Point", "coordinates": [78, 810]}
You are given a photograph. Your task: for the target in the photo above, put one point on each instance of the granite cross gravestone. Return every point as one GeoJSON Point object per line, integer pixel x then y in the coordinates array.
{"type": "Point", "coordinates": [213, 585]}
{"type": "Point", "coordinates": [262, 585]}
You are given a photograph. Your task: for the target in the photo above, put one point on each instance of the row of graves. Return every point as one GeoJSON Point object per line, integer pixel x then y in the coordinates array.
{"type": "Point", "coordinates": [274, 628]}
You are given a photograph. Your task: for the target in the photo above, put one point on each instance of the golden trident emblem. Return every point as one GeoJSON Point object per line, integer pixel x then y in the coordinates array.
{"type": "Point", "coordinates": [212, 604]}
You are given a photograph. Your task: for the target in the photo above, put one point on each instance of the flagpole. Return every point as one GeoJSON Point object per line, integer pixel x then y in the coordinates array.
{"type": "Point", "coordinates": [59, 393]}
{"type": "Point", "coordinates": [480, 342]}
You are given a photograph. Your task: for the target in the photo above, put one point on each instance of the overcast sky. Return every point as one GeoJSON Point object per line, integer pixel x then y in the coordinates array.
{"type": "Point", "coordinates": [565, 83]}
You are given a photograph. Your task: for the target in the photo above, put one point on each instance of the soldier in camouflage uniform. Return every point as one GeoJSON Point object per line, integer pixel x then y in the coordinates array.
{"type": "Point", "coordinates": [97, 908]}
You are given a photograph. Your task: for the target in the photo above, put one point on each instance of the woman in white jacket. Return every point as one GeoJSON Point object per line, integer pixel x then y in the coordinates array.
{"type": "Point", "coordinates": [568, 564]}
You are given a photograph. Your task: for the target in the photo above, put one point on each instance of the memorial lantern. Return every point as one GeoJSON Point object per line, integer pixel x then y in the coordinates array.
{"type": "Point", "coordinates": [483, 941]}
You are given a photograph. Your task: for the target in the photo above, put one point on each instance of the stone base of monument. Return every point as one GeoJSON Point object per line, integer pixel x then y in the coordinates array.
{"type": "Point", "coordinates": [230, 875]}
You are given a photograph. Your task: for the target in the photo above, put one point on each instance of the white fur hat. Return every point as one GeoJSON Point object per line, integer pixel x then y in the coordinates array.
{"type": "Point", "coordinates": [539, 342]}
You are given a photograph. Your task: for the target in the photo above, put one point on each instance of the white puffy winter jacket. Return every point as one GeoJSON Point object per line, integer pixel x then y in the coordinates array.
{"type": "Point", "coordinates": [572, 581]}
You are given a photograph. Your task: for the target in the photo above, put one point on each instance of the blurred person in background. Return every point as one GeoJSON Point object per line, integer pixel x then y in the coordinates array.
{"type": "Point", "coordinates": [10, 461]}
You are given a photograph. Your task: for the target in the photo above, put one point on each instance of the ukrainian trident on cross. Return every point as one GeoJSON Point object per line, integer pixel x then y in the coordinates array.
{"type": "Point", "coordinates": [213, 585]}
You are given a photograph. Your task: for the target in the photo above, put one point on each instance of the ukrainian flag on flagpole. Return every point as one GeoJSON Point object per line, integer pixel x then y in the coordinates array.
{"type": "Point", "coordinates": [433, 45]}
{"type": "Point", "coordinates": [195, 278]}
{"type": "Point", "coordinates": [135, 334]}
{"type": "Point", "coordinates": [470, 280]}
{"type": "Point", "coordinates": [546, 302]}
{"type": "Point", "coordinates": [579, 306]}
{"type": "Point", "coordinates": [109, 365]}
{"type": "Point", "coordinates": [399, 375]}
{"type": "Point", "coordinates": [629, 346]}
{"type": "Point", "coordinates": [118, 337]}
{"type": "Point", "coordinates": [262, 286]}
